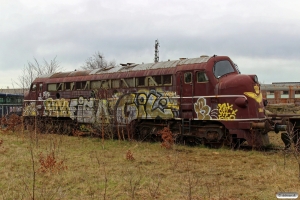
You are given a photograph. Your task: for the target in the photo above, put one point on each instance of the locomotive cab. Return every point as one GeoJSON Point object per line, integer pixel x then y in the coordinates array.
{"type": "Point", "coordinates": [224, 99]}
{"type": "Point", "coordinates": [242, 108]}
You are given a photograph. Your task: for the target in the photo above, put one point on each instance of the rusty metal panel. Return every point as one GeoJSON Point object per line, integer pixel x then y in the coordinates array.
{"type": "Point", "coordinates": [60, 75]}
{"type": "Point", "coordinates": [201, 59]}
{"type": "Point", "coordinates": [149, 66]}
{"type": "Point", "coordinates": [245, 125]}
{"type": "Point", "coordinates": [129, 67]}
{"type": "Point", "coordinates": [163, 65]}
{"type": "Point", "coordinates": [105, 70]}
{"type": "Point", "coordinates": [79, 73]}
{"type": "Point", "coordinates": [46, 75]}
{"type": "Point", "coordinates": [66, 74]}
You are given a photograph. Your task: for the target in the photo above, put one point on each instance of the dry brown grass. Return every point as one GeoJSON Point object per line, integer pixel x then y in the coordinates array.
{"type": "Point", "coordinates": [96, 170]}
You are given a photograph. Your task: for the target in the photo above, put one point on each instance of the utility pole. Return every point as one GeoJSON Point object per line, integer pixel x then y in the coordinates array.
{"type": "Point", "coordinates": [156, 55]}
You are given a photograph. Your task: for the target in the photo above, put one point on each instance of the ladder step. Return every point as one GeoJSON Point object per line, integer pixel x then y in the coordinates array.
{"type": "Point", "coordinates": [186, 125]}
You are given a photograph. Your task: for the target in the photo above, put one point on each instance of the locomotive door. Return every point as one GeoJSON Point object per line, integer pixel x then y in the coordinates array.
{"type": "Point", "coordinates": [204, 91]}
{"type": "Point", "coordinates": [36, 94]}
{"type": "Point", "coordinates": [186, 91]}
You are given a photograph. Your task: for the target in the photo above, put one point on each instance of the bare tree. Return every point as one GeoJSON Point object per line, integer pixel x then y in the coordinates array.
{"type": "Point", "coordinates": [34, 69]}
{"type": "Point", "coordinates": [97, 61]}
{"type": "Point", "coordinates": [291, 140]}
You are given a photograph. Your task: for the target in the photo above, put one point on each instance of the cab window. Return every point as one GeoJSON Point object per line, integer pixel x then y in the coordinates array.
{"type": "Point", "coordinates": [167, 79]}
{"type": "Point", "coordinates": [51, 87]}
{"type": "Point", "coordinates": [140, 81]}
{"type": "Point", "coordinates": [33, 87]}
{"type": "Point", "coordinates": [187, 77]}
{"type": "Point", "coordinates": [41, 87]}
{"type": "Point", "coordinates": [201, 77]}
{"type": "Point", "coordinates": [69, 85]}
{"type": "Point", "coordinates": [222, 67]}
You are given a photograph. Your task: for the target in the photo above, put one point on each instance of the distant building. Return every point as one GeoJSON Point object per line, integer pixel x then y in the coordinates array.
{"type": "Point", "coordinates": [281, 92]}
{"type": "Point", "coordinates": [14, 91]}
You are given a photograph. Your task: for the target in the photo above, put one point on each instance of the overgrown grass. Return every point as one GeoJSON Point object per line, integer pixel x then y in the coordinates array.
{"type": "Point", "coordinates": [87, 168]}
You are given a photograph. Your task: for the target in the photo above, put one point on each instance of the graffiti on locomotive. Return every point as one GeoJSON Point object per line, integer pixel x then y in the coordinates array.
{"type": "Point", "coordinates": [145, 104]}
{"type": "Point", "coordinates": [205, 112]}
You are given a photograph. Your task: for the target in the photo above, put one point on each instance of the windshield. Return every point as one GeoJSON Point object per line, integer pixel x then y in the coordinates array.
{"type": "Point", "coordinates": [237, 68]}
{"type": "Point", "coordinates": [222, 67]}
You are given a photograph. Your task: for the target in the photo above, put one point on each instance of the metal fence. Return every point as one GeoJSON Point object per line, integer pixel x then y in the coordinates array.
{"type": "Point", "coordinates": [8, 109]}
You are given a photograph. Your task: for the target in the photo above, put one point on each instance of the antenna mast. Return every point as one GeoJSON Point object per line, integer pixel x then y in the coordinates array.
{"type": "Point", "coordinates": [156, 55]}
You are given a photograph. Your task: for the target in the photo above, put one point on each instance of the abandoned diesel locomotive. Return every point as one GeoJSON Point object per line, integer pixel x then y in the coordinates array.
{"type": "Point", "coordinates": [201, 100]}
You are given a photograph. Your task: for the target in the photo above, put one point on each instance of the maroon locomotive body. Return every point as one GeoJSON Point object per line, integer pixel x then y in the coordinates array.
{"type": "Point", "coordinates": [201, 100]}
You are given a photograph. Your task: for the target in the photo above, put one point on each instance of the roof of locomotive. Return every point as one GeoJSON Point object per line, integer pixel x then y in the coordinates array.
{"type": "Point", "coordinates": [130, 67]}
{"type": "Point", "coordinates": [149, 66]}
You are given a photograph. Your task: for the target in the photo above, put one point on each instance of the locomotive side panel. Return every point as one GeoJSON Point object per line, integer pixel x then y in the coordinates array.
{"type": "Point", "coordinates": [142, 102]}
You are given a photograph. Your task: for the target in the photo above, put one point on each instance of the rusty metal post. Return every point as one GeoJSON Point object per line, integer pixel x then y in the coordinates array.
{"type": "Point", "coordinates": [264, 94]}
{"type": "Point", "coordinates": [291, 92]}
{"type": "Point", "coordinates": [277, 96]}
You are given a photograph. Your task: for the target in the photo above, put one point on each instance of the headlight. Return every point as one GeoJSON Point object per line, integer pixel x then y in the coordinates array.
{"type": "Point", "coordinates": [254, 78]}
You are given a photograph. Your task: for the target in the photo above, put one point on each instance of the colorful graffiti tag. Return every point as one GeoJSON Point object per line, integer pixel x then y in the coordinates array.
{"type": "Point", "coordinates": [56, 108]}
{"type": "Point", "coordinates": [202, 110]}
{"type": "Point", "coordinates": [30, 109]}
{"type": "Point", "coordinates": [82, 109]}
{"type": "Point", "coordinates": [226, 111]}
{"type": "Point", "coordinates": [146, 104]}
{"type": "Point", "coordinates": [223, 111]}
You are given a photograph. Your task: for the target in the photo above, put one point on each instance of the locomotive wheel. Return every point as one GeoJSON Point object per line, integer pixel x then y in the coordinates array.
{"type": "Point", "coordinates": [236, 143]}
{"type": "Point", "coordinates": [49, 126]}
{"type": "Point", "coordinates": [132, 131]}
{"type": "Point", "coordinates": [190, 140]}
{"type": "Point", "coordinates": [29, 123]}
{"type": "Point", "coordinates": [66, 128]}
{"type": "Point", "coordinates": [109, 131]}
{"type": "Point", "coordinates": [154, 135]}
{"type": "Point", "coordinates": [149, 134]}
{"type": "Point", "coordinates": [144, 134]}
{"type": "Point", "coordinates": [214, 145]}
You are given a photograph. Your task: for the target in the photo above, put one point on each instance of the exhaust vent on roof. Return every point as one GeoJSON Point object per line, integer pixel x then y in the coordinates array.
{"type": "Point", "coordinates": [128, 65]}
{"type": "Point", "coordinates": [204, 56]}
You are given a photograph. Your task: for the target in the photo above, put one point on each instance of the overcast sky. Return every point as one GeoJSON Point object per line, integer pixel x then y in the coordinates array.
{"type": "Point", "coordinates": [261, 36]}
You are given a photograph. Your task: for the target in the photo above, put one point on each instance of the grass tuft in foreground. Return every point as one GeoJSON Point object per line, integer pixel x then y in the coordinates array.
{"type": "Point", "coordinates": [46, 166]}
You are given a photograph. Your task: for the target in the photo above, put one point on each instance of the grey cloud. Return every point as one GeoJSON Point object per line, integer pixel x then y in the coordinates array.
{"type": "Point", "coordinates": [126, 31]}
